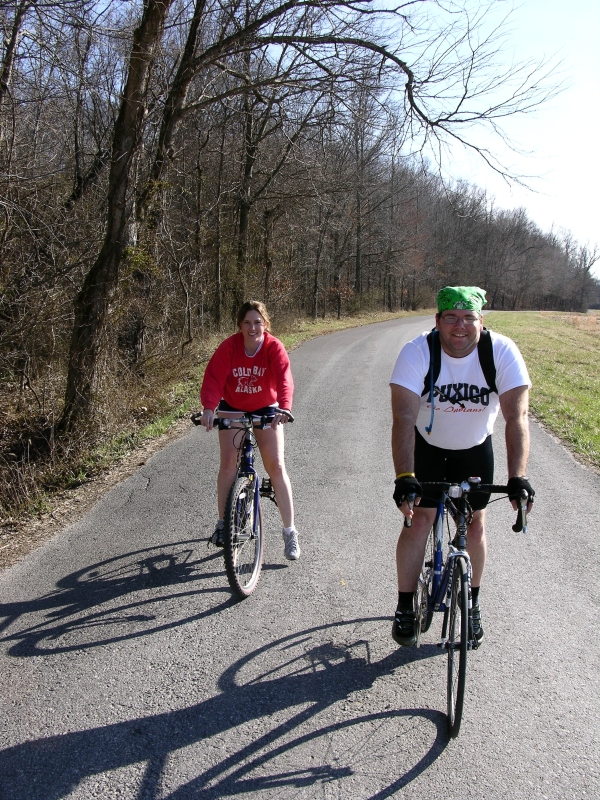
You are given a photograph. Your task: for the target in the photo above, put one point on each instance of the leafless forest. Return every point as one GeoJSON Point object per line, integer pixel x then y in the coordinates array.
{"type": "Point", "coordinates": [162, 161]}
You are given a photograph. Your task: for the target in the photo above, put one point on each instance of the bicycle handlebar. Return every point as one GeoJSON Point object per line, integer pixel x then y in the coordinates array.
{"type": "Point", "coordinates": [473, 485]}
{"type": "Point", "coordinates": [260, 421]}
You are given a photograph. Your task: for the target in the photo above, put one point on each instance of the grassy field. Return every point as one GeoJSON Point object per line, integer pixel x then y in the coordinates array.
{"type": "Point", "coordinates": [562, 352]}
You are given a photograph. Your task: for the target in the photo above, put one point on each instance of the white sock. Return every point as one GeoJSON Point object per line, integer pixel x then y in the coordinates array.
{"type": "Point", "coordinates": [289, 530]}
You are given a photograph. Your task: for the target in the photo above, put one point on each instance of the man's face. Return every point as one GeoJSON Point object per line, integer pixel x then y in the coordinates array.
{"type": "Point", "coordinates": [459, 331]}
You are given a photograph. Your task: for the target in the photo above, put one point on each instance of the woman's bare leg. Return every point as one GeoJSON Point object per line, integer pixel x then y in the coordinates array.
{"type": "Point", "coordinates": [227, 467]}
{"type": "Point", "coordinates": [271, 445]}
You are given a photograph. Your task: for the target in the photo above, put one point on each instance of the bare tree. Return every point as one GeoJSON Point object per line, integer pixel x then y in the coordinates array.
{"type": "Point", "coordinates": [121, 166]}
{"type": "Point", "coordinates": [91, 305]}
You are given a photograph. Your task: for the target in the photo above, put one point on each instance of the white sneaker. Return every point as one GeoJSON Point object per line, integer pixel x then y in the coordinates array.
{"type": "Point", "coordinates": [291, 549]}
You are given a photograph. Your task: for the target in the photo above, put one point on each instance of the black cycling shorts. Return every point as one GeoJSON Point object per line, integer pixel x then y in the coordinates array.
{"type": "Point", "coordinates": [259, 412]}
{"type": "Point", "coordinates": [437, 464]}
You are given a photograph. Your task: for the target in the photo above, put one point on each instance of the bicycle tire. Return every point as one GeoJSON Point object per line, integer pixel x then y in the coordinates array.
{"type": "Point", "coordinates": [457, 645]}
{"type": "Point", "coordinates": [243, 549]}
{"type": "Point", "coordinates": [423, 608]}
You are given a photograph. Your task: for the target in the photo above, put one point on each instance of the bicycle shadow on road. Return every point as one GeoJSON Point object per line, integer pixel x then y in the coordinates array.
{"type": "Point", "coordinates": [298, 691]}
{"type": "Point", "coordinates": [86, 602]}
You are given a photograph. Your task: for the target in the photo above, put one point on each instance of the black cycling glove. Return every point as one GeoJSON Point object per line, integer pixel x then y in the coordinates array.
{"type": "Point", "coordinates": [515, 485]}
{"type": "Point", "coordinates": [406, 485]}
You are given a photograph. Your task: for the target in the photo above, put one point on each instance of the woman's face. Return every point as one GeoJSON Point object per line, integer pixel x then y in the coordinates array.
{"type": "Point", "coordinates": [253, 327]}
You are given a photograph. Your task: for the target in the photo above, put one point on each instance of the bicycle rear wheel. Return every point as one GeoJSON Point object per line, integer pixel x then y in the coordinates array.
{"type": "Point", "coordinates": [243, 539]}
{"type": "Point", "coordinates": [423, 609]}
{"type": "Point", "coordinates": [457, 644]}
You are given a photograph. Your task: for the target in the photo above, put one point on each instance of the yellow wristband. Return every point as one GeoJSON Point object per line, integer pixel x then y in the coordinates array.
{"type": "Point", "coordinates": [405, 475]}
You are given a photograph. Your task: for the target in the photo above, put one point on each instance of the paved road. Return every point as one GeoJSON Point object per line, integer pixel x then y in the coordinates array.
{"type": "Point", "coordinates": [128, 672]}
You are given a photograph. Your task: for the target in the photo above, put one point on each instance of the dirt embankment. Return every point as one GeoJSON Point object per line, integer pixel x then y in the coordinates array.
{"type": "Point", "coordinates": [18, 539]}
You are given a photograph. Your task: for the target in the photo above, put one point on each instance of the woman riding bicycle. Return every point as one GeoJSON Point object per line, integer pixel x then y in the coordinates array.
{"type": "Point", "coordinates": [250, 372]}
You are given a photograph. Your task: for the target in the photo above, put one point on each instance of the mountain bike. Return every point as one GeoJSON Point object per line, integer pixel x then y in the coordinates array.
{"type": "Point", "coordinates": [445, 581]}
{"type": "Point", "coordinates": [243, 524]}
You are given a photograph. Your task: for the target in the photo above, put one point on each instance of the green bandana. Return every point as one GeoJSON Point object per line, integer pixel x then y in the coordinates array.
{"type": "Point", "coordinates": [461, 298]}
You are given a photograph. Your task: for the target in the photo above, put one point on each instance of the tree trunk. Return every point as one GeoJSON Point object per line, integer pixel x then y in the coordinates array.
{"type": "Point", "coordinates": [323, 223]}
{"type": "Point", "coordinates": [267, 260]}
{"type": "Point", "coordinates": [244, 205]}
{"type": "Point", "coordinates": [358, 251]}
{"type": "Point", "coordinates": [10, 47]}
{"type": "Point", "coordinates": [92, 302]}
{"type": "Point", "coordinates": [172, 112]}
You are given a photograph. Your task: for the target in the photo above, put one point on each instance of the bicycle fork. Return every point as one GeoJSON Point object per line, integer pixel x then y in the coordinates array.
{"type": "Point", "coordinates": [442, 595]}
{"type": "Point", "coordinates": [247, 466]}
{"type": "Point", "coordinates": [445, 595]}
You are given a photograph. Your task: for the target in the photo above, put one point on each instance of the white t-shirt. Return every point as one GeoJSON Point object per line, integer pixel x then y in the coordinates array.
{"type": "Point", "coordinates": [456, 428]}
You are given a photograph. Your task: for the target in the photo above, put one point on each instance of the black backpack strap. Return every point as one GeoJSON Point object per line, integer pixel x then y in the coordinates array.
{"type": "Point", "coordinates": [435, 360]}
{"type": "Point", "coordinates": [485, 349]}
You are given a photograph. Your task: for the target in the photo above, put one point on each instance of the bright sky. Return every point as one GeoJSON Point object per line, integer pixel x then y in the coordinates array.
{"type": "Point", "coordinates": [562, 138]}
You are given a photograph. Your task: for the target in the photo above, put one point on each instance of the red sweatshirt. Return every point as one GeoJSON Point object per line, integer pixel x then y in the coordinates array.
{"type": "Point", "coordinates": [248, 382]}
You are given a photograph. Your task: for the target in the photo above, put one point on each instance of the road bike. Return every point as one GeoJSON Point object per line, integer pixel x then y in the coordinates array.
{"type": "Point", "coordinates": [243, 524]}
{"type": "Point", "coordinates": [445, 580]}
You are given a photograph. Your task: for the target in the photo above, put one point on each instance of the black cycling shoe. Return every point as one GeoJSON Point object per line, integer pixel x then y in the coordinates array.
{"type": "Point", "coordinates": [404, 628]}
{"type": "Point", "coordinates": [477, 626]}
{"type": "Point", "coordinates": [217, 538]}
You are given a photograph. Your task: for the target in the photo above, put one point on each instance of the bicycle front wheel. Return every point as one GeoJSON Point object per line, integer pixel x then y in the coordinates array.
{"type": "Point", "coordinates": [423, 608]}
{"type": "Point", "coordinates": [457, 644]}
{"type": "Point", "coordinates": [243, 538]}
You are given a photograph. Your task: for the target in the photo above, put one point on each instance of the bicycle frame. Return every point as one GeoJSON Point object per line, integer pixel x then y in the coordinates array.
{"type": "Point", "coordinates": [246, 461]}
{"type": "Point", "coordinates": [243, 536]}
{"type": "Point", "coordinates": [441, 585]}
{"type": "Point", "coordinates": [453, 500]}
{"type": "Point", "coordinates": [246, 466]}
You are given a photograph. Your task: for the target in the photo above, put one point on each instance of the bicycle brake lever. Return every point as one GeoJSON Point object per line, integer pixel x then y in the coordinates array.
{"type": "Point", "coordinates": [521, 523]}
{"type": "Point", "coordinates": [287, 414]}
{"type": "Point", "coordinates": [411, 502]}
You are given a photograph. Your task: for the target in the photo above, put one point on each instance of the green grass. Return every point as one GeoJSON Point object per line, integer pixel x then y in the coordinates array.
{"type": "Point", "coordinates": [563, 362]}
{"type": "Point", "coordinates": [181, 400]}
{"type": "Point", "coordinates": [564, 365]}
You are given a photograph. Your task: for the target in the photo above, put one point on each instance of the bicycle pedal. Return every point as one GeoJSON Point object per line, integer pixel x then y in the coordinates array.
{"type": "Point", "coordinates": [266, 490]}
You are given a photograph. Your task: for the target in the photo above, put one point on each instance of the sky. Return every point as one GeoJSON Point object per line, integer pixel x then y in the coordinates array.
{"type": "Point", "coordinates": [562, 138]}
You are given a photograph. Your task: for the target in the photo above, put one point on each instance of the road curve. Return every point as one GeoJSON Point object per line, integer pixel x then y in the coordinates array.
{"type": "Point", "coordinates": [128, 672]}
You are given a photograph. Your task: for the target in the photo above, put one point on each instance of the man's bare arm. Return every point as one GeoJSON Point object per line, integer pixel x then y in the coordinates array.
{"type": "Point", "coordinates": [405, 407]}
{"type": "Point", "coordinates": [515, 408]}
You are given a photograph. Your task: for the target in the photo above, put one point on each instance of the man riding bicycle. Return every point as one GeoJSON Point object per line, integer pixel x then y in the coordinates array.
{"type": "Point", "coordinates": [445, 402]}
